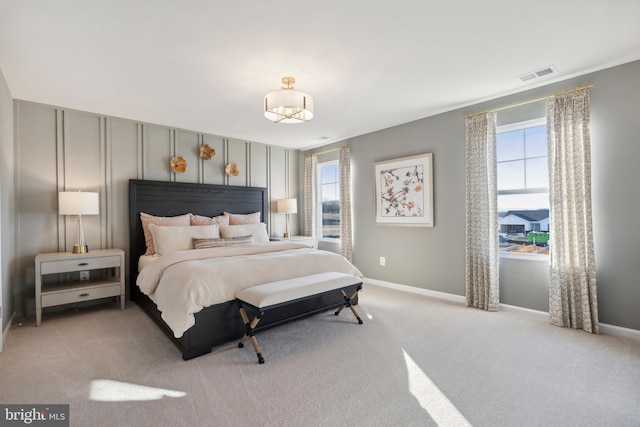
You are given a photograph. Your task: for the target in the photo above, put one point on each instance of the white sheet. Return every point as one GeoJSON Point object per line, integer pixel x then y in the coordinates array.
{"type": "Point", "coordinates": [183, 283]}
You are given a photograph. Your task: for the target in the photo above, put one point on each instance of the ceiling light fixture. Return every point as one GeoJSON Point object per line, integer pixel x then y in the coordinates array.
{"type": "Point", "coordinates": [288, 105]}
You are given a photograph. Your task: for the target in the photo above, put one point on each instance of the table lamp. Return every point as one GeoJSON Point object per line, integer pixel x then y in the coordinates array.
{"type": "Point", "coordinates": [78, 203]}
{"type": "Point", "coordinates": [286, 207]}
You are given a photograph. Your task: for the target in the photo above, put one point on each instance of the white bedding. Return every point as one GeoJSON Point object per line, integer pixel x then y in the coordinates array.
{"type": "Point", "coordinates": [144, 260]}
{"type": "Point", "coordinates": [183, 283]}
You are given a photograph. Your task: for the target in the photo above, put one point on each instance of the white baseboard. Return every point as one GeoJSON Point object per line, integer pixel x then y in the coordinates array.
{"type": "Point", "coordinates": [537, 314]}
{"type": "Point", "coordinates": [540, 315]}
{"type": "Point", "coordinates": [605, 328]}
{"type": "Point", "coordinates": [420, 291]}
{"type": "Point", "coordinates": [5, 332]}
{"type": "Point", "coordinates": [619, 331]}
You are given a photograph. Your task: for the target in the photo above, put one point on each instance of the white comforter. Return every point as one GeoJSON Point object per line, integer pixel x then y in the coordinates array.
{"type": "Point", "coordinates": [183, 283]}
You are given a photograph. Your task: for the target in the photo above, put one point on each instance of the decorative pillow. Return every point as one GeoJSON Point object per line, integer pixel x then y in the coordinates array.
{"type": "Point", "coordinates": [259, 231]}
{"type": "Point", "coordinates": [217, 243]}
{"type": "Point", "coordinates": [239, 219]}
{"type": "Point", "coordinates": [205, 220]}
{"type": "Point", "coordinates": [179, 238]}
{"type": "Point", "coordinates": [159, 220]}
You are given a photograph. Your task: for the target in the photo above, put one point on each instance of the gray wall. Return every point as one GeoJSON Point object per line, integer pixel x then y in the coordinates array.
{"type": "Point", "coordinates": [433, 258]}
{"type": "Point", "coordinates": [59, 149]}
{"type": "Point", "coordinates": [6, 204]}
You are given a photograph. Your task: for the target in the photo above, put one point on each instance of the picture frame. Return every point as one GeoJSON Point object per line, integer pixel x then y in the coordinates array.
{"type": "Point", "coordinates": [404, 191]}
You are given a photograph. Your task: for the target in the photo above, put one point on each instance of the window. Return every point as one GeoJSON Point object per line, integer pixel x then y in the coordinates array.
{"type": "Point", "coordinates": [523, 187]}
{"type": "Point", "coordinates": [329, 200]}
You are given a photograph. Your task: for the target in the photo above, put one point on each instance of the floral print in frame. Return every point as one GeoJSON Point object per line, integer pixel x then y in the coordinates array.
{"type": "Point", "coordinates": [404, 191]}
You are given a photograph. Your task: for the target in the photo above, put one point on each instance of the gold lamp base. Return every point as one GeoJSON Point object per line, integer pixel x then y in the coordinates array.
{"type": "Point", "coordinates": [286, 235]}
{"type": "Point", "coordinates": [80, 249]}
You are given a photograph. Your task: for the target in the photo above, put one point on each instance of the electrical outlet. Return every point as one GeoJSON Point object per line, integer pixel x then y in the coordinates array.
{"type": "Point", "coordinates": [84, 275]}
{"type": "Point", "coordinates": [382, 261]}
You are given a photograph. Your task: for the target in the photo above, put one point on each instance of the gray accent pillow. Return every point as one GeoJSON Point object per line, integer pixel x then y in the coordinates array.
{"type": "Point", "coordinates": [217, 243]}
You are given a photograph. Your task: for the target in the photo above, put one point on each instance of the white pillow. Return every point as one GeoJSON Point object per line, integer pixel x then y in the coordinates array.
{"type": "Point", "coordinates": [180, 238]}
{"type": "Point", "coordinates": [147, 220]}
{"type": "Point", "coordinates": [259, 231]}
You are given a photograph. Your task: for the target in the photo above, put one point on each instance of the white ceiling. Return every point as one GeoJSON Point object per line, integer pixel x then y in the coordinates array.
{"type": "Point", "coordinates": [206, 65]}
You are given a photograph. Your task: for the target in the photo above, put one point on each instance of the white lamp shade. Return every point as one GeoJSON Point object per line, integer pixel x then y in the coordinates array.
{"type": "Point", "coordinates": [287, 206]}
{"type": "Point", "coordinates": [78, 203]}
{"type": "Point", "coordinates": [288, 106]}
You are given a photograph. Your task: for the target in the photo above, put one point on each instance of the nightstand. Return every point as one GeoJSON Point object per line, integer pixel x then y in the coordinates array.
{"type": "Point", "coordinates": [66, 278]}
{"type": "Point", "coordinates": [303, 240]}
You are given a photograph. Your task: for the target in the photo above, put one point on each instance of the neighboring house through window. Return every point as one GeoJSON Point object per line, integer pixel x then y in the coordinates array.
{"type": "Point", "coordinates": [523, 187]}
{"type": "Point", "coordinates": [328, 200]}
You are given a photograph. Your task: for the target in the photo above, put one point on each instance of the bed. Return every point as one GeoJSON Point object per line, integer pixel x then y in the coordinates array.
{"type": "Point", "coordinates": [220, 322]}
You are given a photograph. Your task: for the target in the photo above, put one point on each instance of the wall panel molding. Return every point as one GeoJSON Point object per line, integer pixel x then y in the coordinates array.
{"type": "Point", "coordinates": [61, 168]}
{"type": "Point", "coordinates": [200, 160]}
{"type": "Point", "coordinates": [140, 145]}
{"type": "Point", "coordinates": [61, 149]}
{"type": "Point", "coordinates": [225, 143]}
{"type": "Point", "coordinates": [107, 184]}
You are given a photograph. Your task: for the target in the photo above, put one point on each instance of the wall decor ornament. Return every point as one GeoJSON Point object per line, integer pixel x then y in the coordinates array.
{"type": "Point", "coordinates": [207, 152]}
{"type": "Point", "coordinates": [178, 164]}
{"type": "Point", "coordinates": [404, 191]}
{"type": "Point", "coordinates": [232, 169]}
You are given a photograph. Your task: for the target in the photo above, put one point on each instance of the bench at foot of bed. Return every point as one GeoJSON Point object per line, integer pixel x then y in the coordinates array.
{"type": "Point", "coordinates": [268, 296]}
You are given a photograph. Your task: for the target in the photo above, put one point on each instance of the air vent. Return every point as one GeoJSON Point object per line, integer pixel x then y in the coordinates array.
{"type": "Point", "coordinates": [527, 77]}
{"type": "Point", "coordinates": [547, 71]}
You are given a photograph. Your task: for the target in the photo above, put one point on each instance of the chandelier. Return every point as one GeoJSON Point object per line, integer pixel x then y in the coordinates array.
{"type": "Point", "coordinates": [288, 105]}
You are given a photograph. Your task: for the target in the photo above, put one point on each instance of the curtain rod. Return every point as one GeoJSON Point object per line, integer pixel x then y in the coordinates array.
{"type": "Point", "coordinates": [517, 104]}
{"type": "Point", "coordinates": [327, 151]}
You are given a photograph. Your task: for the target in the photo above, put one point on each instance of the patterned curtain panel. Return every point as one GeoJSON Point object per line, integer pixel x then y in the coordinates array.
{"type": "Point", "coordinates": [344, 164]}
{"type": "Point", "coordinates": [482, 245]}
{"type": "Point", "coordinates": [572, 289]}
{"type": "Point", "coordinates": [310, 165]}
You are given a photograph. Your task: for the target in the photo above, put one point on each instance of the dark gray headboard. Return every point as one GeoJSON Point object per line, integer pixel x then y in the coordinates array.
{"type": "Point", "coordinates": [176, 198]}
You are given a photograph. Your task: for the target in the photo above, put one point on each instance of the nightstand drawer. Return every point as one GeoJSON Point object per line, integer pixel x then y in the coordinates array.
{"type": "Point", "coordinates": [79, 264]}
{"type": "Point", "coordinates": [80, 294]}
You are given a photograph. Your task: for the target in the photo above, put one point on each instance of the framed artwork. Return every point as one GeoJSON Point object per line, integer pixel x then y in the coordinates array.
{"type": "Point", "coordinates": [404, 191]}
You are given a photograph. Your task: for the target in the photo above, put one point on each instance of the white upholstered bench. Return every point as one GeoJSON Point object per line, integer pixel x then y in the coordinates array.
{"type": "Point", "coordinates": [265, 297]}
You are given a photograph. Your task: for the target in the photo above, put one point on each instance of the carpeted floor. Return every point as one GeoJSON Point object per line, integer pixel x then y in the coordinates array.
{"type": "Point", "coordinates": [415, 361]}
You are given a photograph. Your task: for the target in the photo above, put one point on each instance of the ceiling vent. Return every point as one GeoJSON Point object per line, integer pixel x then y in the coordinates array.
{"type": "Point", "coordinates": [547, 71]}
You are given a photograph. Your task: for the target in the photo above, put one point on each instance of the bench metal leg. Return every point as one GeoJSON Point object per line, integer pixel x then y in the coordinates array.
{"type": "Point", "coordinates": [347, 303]}
{"type": "Point", "coordinates": [249, 332]}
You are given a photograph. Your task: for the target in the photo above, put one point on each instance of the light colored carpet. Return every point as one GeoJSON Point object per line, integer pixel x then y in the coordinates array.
{"type": "Point", "coordinates": [415, 361]}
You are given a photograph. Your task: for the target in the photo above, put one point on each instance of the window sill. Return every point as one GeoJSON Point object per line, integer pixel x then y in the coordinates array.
{"type": "Point", "coordinates": [524, 257]}
{"type": "Point", "coordinates": [328, 240]}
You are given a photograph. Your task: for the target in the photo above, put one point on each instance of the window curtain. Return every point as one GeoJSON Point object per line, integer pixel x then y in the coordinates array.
{"type": "Point", "coordinates": [572, 287]}
{"type": "Point", "coordinates": [310, 214]}
{"type": "Point", "coordinates": [344, 165]}
{"type": "Point", "coordinates": [481, 249]}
